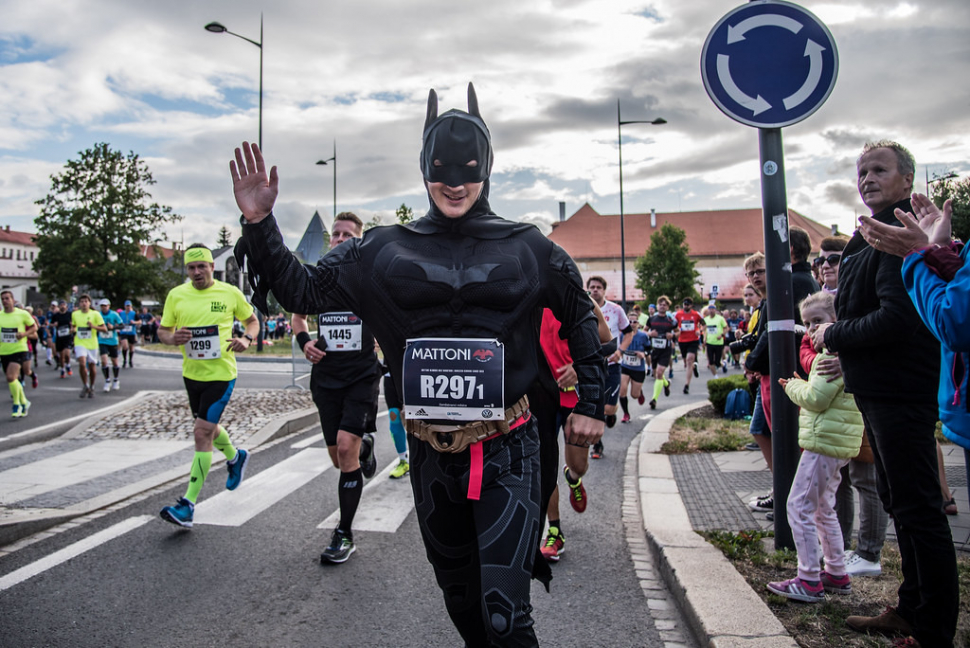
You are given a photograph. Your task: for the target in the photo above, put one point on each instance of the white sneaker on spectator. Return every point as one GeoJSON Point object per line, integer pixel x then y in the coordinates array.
{"type": "Point", "coordinates": [764, 503]}
{"type": "Point", "coordinates": [856, 565]}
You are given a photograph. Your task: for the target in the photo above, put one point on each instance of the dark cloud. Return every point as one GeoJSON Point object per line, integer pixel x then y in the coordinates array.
{"type": "Point", "coordinates": [843, 193]}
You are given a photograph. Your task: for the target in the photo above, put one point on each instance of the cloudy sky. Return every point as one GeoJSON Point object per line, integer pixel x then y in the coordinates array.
{"type": "Point", "coordinates": [146, 77]}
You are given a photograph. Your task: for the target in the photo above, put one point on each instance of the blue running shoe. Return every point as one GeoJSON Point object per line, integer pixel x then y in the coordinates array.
{"type": "Point", "coordinates": [180, 514]}
{"type": "Point", "coordinates": [24, 408]}
{"type": "Point", "coordinates": [237, 469]}
{"type": "Point", "coordinates": [16, 411]}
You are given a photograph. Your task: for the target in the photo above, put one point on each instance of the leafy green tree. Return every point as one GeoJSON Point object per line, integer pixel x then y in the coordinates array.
{"type": "Point", "coordinates": [959, 192]}
{"type": "Point", "coordinates": [404, 214]}
{"type": "Point", "coordinates": [666, 267]}
{"type": "Point", "coordinates": [225, 238]}
{"type": "Point", "coordinates": [93, 224]}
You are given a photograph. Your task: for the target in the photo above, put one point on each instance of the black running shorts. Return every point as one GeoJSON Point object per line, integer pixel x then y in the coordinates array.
{"type": "Point", "coordinates": [352, 409]}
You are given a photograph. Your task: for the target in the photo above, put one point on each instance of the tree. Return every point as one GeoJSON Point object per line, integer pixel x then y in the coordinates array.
{"type": "Point", "coordinates": [666, 267]}
{"type": "Point", "coordinates": [93, 224]}
{"type": "Point", "coordinates": [404, 214]}
{"type": "Point", "coordinates": [959, 192]}
{"type": "Point", "coordinates": [225, 238]}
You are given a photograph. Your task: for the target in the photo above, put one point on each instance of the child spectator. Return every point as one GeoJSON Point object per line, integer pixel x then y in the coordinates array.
{"type": "Point", "coordinates": [830, 433]}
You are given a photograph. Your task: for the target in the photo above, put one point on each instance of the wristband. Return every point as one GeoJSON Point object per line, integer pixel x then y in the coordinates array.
{"type": "Point", "coordinates": [303, 339]}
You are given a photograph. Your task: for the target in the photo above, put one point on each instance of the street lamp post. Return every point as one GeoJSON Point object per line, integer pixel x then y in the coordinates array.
{"type": "Point", "coordinates": [219, 28]}
{"type": "Point", "coordinates": [324, 163]}
{"type": "Point", "coordinates": [619, 142]}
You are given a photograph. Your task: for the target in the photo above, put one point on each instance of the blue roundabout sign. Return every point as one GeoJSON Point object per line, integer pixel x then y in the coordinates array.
{"type": "Point", "coordinates": [769, 64]}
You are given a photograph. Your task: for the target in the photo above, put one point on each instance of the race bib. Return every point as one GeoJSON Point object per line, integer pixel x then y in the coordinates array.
{"type": "Point", "coordinates": [84, 332]}
{"type": "Point", "coordinates": [658, 343]}
{"type": "Point", "coordinates": [105, 335]}
{"type": "Point", "coordinates": [632, 360]}
{"type": "Point", "coordinates": [342, 331]}
{"type": "Point", "coordinates": [204, 344]}
{"type": "Point", "coordinates": [712, 329]}
{"type": "Point", "coordinates": [454, 379]}
{"type": "Point", "coordinates": [8, 335]}
{"type": "Point", "coordinates": [129, 329]}
{"type": "Point", "coordinates": [686, 326]}
{"type": "Point", "coordinates": [63, 331]}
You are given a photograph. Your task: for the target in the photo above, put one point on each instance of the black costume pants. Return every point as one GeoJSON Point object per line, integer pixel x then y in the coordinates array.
{"type": "Point", "coordinates": [908, 481]}
{"type": "Point", "coordinates": [482, 551]}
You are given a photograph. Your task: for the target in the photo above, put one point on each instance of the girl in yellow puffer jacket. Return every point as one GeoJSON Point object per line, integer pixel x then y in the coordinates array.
{"type": "Point", "coordinates": [830, 433]}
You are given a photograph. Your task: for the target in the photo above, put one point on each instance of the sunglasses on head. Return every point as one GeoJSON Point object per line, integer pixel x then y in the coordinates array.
{"type": "Point", "coordinates": [832, 260]}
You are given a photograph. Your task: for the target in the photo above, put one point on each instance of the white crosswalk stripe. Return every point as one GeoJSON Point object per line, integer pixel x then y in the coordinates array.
{"type": "Point", "coordinates": [384, 504]}
{"type": "Point", "coordinates": [77, 466]}
{"type": "Point", "coordinates": [258, 493]}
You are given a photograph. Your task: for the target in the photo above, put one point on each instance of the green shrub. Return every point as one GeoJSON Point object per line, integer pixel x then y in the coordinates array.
{"type": "Point", "coordinates": [719, 388]}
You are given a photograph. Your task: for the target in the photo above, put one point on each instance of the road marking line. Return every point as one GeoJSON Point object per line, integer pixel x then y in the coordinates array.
{"type": "Point", "coordinates": [29, 571]}
{"type": "Point", "coordinates": [381, 509]}
{"type": "Point", "coordinates": [80, 465]}
{"type": "Point", "coordinates": [257, 494]}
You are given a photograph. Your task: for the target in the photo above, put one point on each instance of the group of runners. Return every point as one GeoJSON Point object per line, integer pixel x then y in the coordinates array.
{"type": "Point", "coordinates": [90, 336]}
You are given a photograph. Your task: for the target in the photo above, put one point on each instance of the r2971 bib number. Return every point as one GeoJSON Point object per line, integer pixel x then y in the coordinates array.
{"type": "Point", "coordinates": [457, 388]}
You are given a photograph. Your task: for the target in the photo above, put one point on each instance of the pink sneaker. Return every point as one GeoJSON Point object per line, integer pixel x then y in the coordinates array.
{"type": "Point", "coordinates": [836, 584]}
{"type": "Point", "coordinates": [798, 590]}
{"type": "Point", "coordinates": [625, 419]}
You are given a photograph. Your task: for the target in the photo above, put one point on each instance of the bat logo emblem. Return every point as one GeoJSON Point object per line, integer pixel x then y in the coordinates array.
{"type": "Point", "coordinates": [483, 355]}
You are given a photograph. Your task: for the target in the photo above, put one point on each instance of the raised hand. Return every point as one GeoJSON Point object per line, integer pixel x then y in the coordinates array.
{"type": "Point", "coordinates": [255, 191]}
{"type": "Point", "coordinates": [934, 222]}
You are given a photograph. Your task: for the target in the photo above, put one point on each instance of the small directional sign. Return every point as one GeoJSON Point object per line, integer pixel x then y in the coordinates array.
{"type": "Point", "coordinates": [769, 63]}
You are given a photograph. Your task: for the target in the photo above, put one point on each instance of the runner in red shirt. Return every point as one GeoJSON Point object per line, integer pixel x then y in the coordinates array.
{"type": "Point", "coordinates": [689, 322]}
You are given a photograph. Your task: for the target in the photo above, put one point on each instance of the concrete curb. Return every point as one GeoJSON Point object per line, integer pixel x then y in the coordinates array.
{"type": "Point", "coordinates": [722, 609]}
{"type": "Point", "coordinates": [16, 525]}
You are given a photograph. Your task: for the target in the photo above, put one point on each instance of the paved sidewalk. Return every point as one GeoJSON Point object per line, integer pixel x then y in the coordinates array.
{"type": "Point", "coordinates": [683, 494]}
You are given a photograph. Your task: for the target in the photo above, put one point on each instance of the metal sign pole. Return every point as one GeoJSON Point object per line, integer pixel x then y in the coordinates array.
{"type": "Point", "coordinates": [781, 327]}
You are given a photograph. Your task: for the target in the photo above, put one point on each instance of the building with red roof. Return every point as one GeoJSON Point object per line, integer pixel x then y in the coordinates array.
{"type": "Point", "coordinates": [718, 242]}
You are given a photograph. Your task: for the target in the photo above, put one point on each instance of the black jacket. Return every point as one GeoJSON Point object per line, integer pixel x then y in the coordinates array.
{"type": "Point", "coordinates": [885, 349]}
{"type": "Point", "coordinates": [803, 284]}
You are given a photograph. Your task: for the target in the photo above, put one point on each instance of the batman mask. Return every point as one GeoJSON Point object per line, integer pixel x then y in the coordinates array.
{"type": "Point", "coordinates": [454, 139]}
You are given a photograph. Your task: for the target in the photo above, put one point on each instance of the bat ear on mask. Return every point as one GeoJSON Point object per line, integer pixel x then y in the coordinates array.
{"type": "Point", "coordinates": [432, 108]}
{"type": "Point", "coordinates": [473, 102]}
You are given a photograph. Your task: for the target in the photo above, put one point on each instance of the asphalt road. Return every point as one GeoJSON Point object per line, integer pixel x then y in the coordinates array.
{"type": "Point", "coordinates": [261, 583]}
{"type": "Point", "coordinates": [129, 579]}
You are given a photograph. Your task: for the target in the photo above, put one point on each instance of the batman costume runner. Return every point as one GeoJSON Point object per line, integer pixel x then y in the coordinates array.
{"type": "Point", "coordinates": [455, 300]}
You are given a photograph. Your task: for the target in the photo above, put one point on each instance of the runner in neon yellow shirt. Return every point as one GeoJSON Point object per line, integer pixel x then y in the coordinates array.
{"type": "Point", "coordinates": [198, 317]}
{"type": "Point", "coordinates": [15, 325]}
{"type": "Point", "coordinates": [85, 324]}
{"type": "Point", "coordinates": [715, 325]}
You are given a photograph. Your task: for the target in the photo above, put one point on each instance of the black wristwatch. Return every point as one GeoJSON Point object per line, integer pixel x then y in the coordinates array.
{"type": "Point", "coordinates": [249, 337]}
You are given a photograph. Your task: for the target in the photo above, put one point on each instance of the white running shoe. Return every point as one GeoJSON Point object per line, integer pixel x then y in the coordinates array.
{"type": "Point", "coordinates": [107, 385]}
{"type": "Point", "coordinates": [116, 385]}
{"type": "Point", "coordinates": [856, 565]}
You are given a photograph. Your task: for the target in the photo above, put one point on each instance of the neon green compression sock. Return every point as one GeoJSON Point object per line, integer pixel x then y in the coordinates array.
{"type": "Point", "coordinates": [658, 385]}
{"type": "Point", "coordinates": [224, 445]}
{"type": "Point", "coordinates": [17, 391]}
{"type": "Point", "coordinates": [200, 468]}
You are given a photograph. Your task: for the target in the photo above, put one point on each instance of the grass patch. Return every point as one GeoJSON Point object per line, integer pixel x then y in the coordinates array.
{"type": "Point", "coordinates": [691, 434]}
{"type": "Point", "coordinates": [822, 625]}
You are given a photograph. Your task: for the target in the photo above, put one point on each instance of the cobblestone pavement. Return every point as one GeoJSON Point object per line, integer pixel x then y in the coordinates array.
{"type": "Point", "coordinates": [166, 416]}
{"type": "Point", "coordinates": [715, 488]}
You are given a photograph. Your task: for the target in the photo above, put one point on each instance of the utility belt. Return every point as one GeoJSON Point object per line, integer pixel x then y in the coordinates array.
{"type": "Point", "coordinates": [456, 438]}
